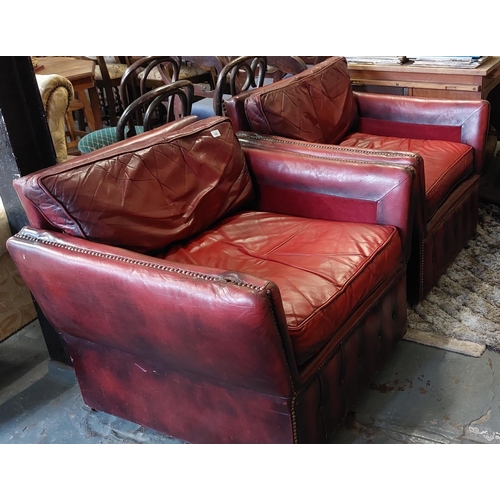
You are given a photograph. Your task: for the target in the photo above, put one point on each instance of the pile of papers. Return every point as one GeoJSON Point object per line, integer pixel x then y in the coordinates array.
{"type": "Point", "coordinates": [376, 59]}
{"type": "Point", "coordinates": [449, 61]}
{"type": "Point", "coordinates": [431, 61]}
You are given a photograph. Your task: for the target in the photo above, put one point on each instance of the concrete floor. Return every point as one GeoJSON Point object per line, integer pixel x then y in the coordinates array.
{"type": "Point", "coordinates": [423, 395]}
{"type": "Point", "coordinates": [428, 395]}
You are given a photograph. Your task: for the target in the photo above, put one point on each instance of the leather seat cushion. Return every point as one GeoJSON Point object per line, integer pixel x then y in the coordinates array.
{"type": "Point", "coordinates": [445, 163]}
{"type": "Point", "coordinates": [324, 269]}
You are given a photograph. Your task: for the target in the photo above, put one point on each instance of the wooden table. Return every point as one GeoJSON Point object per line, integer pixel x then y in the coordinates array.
{"type": "Point", "coordinates": [418, 81]}
{"type": "Point", "coordinates": [80, 72]}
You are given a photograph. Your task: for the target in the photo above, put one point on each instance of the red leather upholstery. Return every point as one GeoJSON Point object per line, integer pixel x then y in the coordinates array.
{"type": "Point", "coordinates": [309, 260]}
{"type": "Point", "coordinates": [262, 325]}
{"type": "Point", "coordinates": [446, 163]}
{"type": "Point", "coordinates": [81, 203]}
{"type": "Point", "coordinates": [279, 109]}
{"type": "Point", "coordinates": [437, 119]}
{"type": "Point", "coordinates": [449, 137]}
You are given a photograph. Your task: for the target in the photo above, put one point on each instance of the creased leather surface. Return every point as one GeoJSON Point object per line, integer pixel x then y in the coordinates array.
{"type": "Point", "coordinates": [316, 105]}
{"type": "Point", "coordinates": [357, 165]}
{"type": "Point", "coordinates": [449, 230]}
{"type": "Point", "coordinates": [446, 163]}
{"type": "Point", "coordinates": [213, 353]}
{"type": "Point", "coordinates": [341, 187]}
{"type": "Point", "coordinates": [323, 269]}
{"type": "Point", "coordinates": [388, 122]}
{"type": "Point", "coordinates": [208, 321]}
{"type": "Point", "coordinates": [187, 180]}
{"type": "Point", "coordinates": [166, 394]}
{"type": "Point", "coordinates": [195, 409]}
{"type": "Point", "coordinates": [367, 342]}
{"type": "Point", "coordinates": [471, 117]}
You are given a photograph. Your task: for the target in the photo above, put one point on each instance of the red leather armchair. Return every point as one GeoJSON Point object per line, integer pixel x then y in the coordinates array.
{"type": "Point", "coordinates": [214, 293]}
{"type": "Point", "coordinates": [317, 112]}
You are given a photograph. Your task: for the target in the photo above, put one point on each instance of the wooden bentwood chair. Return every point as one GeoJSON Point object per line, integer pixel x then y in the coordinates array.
{"type": "Point", "coordinates": [134, 83]}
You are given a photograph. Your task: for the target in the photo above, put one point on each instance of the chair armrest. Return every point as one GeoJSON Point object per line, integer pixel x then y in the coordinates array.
{"type": "Point", "coordinates": [343, 153]}
{"type": "Point", "coordinates": [335, 189]}
{"type": "Point", "coordinates": [235, 110]}
{"type": "Point", "coordinates": [181, 316]}
{"type": "Point", "coordinates": [442, 119]}
{"type": "Point", "coordinates": [57, 93]}
{"type": "Point", "coordinates": [273, 142]}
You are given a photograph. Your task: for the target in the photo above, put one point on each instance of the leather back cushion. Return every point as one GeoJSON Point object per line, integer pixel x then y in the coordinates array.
{"type": "Point", "coordinates": [316, 105]}
{"type": "Point", "coordinates": [148, 191]}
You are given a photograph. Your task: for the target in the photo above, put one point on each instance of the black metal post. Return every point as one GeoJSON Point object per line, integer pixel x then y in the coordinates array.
{"type": "Point", "coordinates": [25, 147]}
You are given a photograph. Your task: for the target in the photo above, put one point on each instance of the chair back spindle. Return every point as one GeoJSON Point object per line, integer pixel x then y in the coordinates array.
{"type": "Point", "coordinates": [180, 93]}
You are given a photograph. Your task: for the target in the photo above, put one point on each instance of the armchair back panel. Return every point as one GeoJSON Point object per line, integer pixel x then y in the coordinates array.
{"type": "Point", "coordinates": [328, 99]}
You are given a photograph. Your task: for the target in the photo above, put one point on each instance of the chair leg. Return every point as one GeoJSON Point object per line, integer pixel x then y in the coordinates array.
{"type": "Point", "coordinates": [71, 131]}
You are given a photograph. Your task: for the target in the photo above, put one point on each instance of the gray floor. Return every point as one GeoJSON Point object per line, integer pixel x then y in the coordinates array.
{"type": "Point", "coordinates": [40, 401]}
{"type": "Point", "coordinates": [428, 395]}
{"type": "Point", "coordinates": [423, 395]}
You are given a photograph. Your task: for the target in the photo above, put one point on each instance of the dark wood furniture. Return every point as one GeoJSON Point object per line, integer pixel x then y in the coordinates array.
{"type": "Point", "coordinates": [278, 67]}
{"type": "Point", "coordinates": [418, 81]}
{"type": "Point", "coordinates": [177, 97]}
{"type": "Point", "coordinates": [108, 86]}
{"type": "Point", "coordinates": [134, 83]}
{"type": "Point", "coordinates": [232, 75]}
